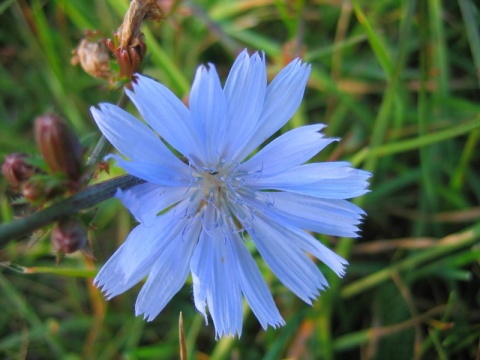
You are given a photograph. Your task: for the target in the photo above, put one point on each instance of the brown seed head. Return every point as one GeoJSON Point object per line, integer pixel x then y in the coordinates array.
{"type": "Point", "coordinates": [93, 56]}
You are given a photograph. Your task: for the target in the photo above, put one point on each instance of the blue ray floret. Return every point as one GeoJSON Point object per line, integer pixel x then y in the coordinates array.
{"type": "Point", "coordinates": [196, 215]}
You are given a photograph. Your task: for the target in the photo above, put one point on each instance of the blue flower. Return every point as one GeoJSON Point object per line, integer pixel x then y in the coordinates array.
{"type": "Point", "coordinates": [198, 211]}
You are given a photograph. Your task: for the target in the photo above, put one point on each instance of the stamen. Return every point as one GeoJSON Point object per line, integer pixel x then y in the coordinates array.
{"type": "Point", "coordinates": [218, 199]}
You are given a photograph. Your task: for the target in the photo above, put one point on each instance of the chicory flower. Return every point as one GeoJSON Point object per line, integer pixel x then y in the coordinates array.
{"type": "Point", "coordinates": [197, 211]}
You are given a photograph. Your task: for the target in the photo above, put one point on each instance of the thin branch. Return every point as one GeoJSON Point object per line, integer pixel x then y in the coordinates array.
{"type": "Point", "coordinates": [84, 199]}
{"type": "Point", "coordinates": [103, 145]}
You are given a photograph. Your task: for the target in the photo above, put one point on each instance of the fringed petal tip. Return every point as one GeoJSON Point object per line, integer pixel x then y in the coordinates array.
{"type": "Point", "coordinates": [104, 289]}
{"type": "Point", "coordinates": [107, 287]}
{"type": "Point", "coordinates": [145, 315]}
{"type": "Point", "coordinates": [237, 332]}
{"type": "Point", "coordinates": [227, 334]}
{"type": "Point", "coordinates": [276, 325]}
{"type": "Point", "coordinates": [342, 269]}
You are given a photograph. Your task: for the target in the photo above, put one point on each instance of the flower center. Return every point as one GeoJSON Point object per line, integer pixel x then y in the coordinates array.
{"type": "Point", "coordinates": [213, 186]}
{"type": "Point", "coordinates": [219, 198]}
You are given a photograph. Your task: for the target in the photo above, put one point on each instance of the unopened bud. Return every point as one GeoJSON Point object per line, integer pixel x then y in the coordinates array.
{"type": "Point", "coordinates": [59, 146]}
{"type": "Point", "coordinates": [68, 236]}
{"type": "Point", "coordinates": [34, 191]}
{"type": "Point", "coordinates": [16, 170]}
{"type": "Point", "coordinates": [129, 58]}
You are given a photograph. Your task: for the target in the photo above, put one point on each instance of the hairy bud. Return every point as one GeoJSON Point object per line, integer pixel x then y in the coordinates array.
{"type": "Point", "coordinates": [68, 236]}
{"type": "Point", "coordinates": [16, 170]}
{"type": "Point", "coordinates": [59, 146]}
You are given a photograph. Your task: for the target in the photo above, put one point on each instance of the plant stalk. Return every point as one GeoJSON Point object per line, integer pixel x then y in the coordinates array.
{"type": "Point", "coordinates": [84, 199]}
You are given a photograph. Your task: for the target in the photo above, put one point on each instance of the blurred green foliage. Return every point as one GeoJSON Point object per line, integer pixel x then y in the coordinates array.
{"type": "Point", "coordinates": [397, 80]}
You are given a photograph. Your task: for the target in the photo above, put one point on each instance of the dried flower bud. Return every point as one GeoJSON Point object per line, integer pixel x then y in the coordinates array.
{"type": "Point", "coordinates": [16, 170]}
{"type": "Point", "coordinates": [59, 146]}
{"type": "Point", "coordinates": [93, 57]}
{"type": "Point", "coordinates": [128, 45]}
{"type": "Point", "coordinates": [129, 33]}
{"type": "Point", "coordinates": [68, 236]}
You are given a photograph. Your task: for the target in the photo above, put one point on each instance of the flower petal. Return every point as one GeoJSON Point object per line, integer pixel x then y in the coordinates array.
{"type": "Point", "coordinates": [208, 107]}
{"type": "Point", "coordinates": [296, 147]}
{"type": "Point", "coordinates": [134, 259]}
{"type": "Point", "coordinates": [155, 173]}
{"type": "Point", "coordinates": [215, 283]}
{"type": "Point", "coordinates": [168, 274]}
{"type": "Point", "coordinates": [254, 287]}
{"type": "Point", "coordinates": [166, 114]}
{"type": "Point", "coordinates": [286, 259]}
{"type": "Point", "coordinates": [111, 279]}
{"type": "Point", "coordinates": [330, 180]}
{"type": "Point", "coordinates": [134, 139]}
{"type": "Point", "coordinates": [282, 99]}
{"type": "Point", "coordinates": [200, 266]}
{"type": "Point", "coordinates": [326, 216]}
{"type": "Point", "coordinates": [245, 92]}
{"type": "Point", "coordinates": [224, 296]}
{"type": "Point", "coordinates": [145, 201]}
{"type": "Point", "coordinates": [309, 244]}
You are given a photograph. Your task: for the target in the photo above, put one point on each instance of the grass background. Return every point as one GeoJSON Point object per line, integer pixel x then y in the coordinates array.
{"type": "Point", "coordinates": [397, 80]}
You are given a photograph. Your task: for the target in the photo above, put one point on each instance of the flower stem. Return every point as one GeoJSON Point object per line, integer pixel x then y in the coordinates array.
{"type": "Point", "coordinates": [84, 199]}
{"type": "Point", "coordinates": [103, 145]}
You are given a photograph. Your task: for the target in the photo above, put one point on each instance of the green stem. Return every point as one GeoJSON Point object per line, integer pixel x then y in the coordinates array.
{"type": "Point", "coordinates": [84, 199]}
{"type": "Point", "coordinates": [99, 151]}
{"type": "Point", "coordinates": [103, 145]}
